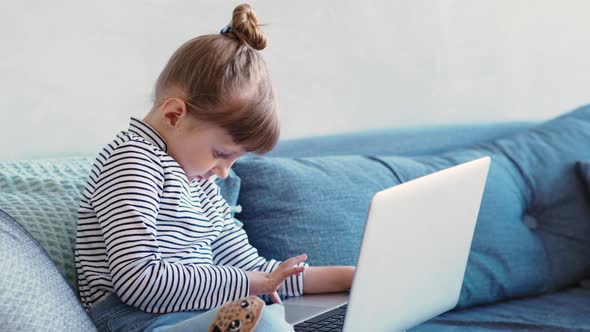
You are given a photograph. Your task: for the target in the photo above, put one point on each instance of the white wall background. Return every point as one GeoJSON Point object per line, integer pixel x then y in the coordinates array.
{"type": "Point", "coordinates": [72, 72]}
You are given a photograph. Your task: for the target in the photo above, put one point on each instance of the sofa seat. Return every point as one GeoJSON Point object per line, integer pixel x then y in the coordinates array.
{"type": "Point", "coordinates": [566, 310]}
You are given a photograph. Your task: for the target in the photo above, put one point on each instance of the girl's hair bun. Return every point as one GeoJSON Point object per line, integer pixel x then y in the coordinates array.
{"type": "Point", "coordinates": [244, 25]}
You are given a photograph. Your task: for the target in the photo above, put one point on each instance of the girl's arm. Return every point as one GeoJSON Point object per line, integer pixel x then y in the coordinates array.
{"type": "Point", "coordinates": [327, 279]}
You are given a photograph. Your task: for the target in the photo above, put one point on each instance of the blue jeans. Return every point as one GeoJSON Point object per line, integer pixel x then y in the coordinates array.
{"type": "Point", "coordinates": [111, 315]}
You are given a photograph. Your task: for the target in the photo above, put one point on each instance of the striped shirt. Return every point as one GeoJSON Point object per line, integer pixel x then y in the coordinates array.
{"type": "Point", "coordinates": [161, 243]}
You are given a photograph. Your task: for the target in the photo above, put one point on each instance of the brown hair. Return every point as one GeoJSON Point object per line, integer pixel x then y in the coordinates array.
{"type": "Point", "coordinates": [225, 82]}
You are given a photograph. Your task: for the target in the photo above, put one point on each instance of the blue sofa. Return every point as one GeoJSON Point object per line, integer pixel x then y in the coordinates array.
{"type": "Point", "coordinates": [528, 263]}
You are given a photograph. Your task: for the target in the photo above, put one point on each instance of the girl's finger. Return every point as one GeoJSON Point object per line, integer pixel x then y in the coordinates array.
{"type": "Point", "coordinates": [274, 296]}
{"type": "Point", "coordinates": [286, 273]}
{"type": "Point", "coordinates": [293, 261]}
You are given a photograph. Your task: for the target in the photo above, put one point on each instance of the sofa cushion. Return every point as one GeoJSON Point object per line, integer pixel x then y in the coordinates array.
{"type": "Point", "coordinates": [43, 196]}
{"type": "Point", "coordinates": [34, 296]}
{"type": "Point", "coordinates": [532, 236]}
{"type": "Point", "coordinates": [311, 205]}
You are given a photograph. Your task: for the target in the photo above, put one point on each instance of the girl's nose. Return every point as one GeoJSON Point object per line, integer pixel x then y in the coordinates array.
{"type": "Point", "coordinates": [221, 171]}
{"type": "Point", "coordinates": [223, 166]}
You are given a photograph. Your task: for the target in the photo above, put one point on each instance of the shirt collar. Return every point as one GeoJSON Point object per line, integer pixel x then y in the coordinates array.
{"type": "Point", "coordinates": [142, 129]}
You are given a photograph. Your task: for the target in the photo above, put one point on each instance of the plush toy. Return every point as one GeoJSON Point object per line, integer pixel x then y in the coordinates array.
{"type": "Point", "coordinates": [240, 315]}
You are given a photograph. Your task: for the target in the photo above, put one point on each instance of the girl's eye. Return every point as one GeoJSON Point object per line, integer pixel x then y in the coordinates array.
{"type": "Point", "coordinates": [218, 154]}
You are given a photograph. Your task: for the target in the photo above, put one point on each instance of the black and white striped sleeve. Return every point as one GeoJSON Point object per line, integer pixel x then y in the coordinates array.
{"type": "Point", "coordinates": [232, 248]}
{"type": "Point", "coordinates": [126, 201]}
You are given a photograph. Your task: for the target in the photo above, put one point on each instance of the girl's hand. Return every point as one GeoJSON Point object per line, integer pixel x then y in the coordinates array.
{"type": "Point", "coordinates": [268, 283]}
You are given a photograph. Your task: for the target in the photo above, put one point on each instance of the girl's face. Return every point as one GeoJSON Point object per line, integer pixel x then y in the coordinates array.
{"type": "Point", "coordinates": [202, 149]}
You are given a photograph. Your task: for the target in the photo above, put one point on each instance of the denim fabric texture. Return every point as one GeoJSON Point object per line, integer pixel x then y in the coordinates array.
{"type": "Point", "coordinates": [112, 315]}
{"type": "Point", "coordinates": [34, 296]}
{"type": "Point", "coordinates": [532, 236]}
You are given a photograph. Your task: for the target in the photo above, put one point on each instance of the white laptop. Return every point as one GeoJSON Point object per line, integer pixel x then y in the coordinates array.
{"type": "Point", "coordinates": [413, 256]}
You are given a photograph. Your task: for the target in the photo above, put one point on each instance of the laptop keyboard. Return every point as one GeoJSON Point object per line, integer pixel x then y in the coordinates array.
{"type": "Point", "coordinates": [328, 321]}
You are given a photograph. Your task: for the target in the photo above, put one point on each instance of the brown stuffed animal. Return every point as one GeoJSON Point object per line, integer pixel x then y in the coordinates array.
{"type": "Point", "coordinates": [241, 315]}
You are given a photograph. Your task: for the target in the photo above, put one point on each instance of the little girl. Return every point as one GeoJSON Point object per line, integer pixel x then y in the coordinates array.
{"type": "Point", "coordinates": [157, 247]}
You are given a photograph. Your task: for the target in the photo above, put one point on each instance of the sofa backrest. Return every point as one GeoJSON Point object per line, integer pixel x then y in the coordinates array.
{"type": "Point", "coordinates": [43, 195]}
{"type": "Point", "coordinates": [533, 230]}
{"type": "Point", "coordinates": [410, 141]}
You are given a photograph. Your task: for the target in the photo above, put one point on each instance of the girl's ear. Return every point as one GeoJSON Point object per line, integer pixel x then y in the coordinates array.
{"type": "Point", "coordinates": [172, 110]}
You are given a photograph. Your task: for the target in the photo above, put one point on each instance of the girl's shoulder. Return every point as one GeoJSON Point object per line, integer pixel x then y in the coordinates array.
{"type": "Point", "coordinates": [131, 148]}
